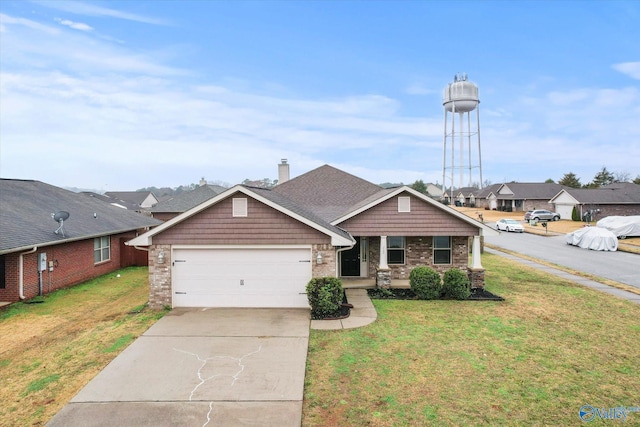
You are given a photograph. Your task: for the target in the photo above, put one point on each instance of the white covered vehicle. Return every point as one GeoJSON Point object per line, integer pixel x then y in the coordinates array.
{"type": "Point", "coordinates": [621, 226]}
{"type": "Point", "coordinates": [594, 238]}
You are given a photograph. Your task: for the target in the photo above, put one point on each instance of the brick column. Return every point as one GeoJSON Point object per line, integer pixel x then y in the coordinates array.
{"type": "Point", "coordinates": [476, 277]}
{"type": "Point", "coordinates": [383, 278]}
{"type": "Point", "coordinates": [159, 277]}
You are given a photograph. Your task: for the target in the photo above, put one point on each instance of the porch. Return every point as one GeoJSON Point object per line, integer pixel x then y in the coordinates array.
{"type": "Point", "coordinates": [369, 283]}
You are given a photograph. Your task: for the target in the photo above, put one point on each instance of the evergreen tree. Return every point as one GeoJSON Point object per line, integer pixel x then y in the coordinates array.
{"type": "Point", "coordinates": [637, 180]}
{"type": "Point", "coordinates": [420, 186]}
{"type": "Point", "coordinates": [604, 177]}
{"type": "Point", "coordinates": [570, 180]}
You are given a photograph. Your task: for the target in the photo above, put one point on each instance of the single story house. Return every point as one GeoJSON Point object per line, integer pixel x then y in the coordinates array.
{"type": "Point", "coordinates": [617, 199]}
{"type": "Point", "coordinates": [519, 196]}
{"type": "Point", "coordinates": [51, 238]}
{"type": "Point", "coordinates": [167, 209]}
{"type": "Point", "coordinates": [256, 247]}
{"type": "Point", "coordinates": [142, 201]}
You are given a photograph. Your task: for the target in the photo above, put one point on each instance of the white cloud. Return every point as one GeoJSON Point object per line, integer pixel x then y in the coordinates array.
{"type": "Point", "coordinates": [631, 69]}
{"type": "Point", "coordinates": [6, 19]}
{"type": "Point", "coordinates": [87, 9]}
{"type": "Point", "coordinates": [75, 25]}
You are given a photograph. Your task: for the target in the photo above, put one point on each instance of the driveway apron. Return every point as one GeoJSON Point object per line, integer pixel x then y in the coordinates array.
{"type": "Point", "coordinates": [202, 367]}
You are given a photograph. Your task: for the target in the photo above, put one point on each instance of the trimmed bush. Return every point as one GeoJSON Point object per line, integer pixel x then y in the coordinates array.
{"type": "Point", "coordinates": [325, 295]}
{"type": "Point", "coordinates": [574, 214]}
{"type": "Point", "coordinates": [455, 284]}
{"type": "Point", "coordinates": [425, 282]}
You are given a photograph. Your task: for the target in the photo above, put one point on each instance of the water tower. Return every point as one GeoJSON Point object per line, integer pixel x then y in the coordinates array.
{"type": "Point", "coordinates": [461, 97]}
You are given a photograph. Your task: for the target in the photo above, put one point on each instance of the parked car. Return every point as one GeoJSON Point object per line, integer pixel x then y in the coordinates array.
{"type": "Point", "coordinates": [541, 214]}
{"type": "Point", "coordinates": [506, 224]}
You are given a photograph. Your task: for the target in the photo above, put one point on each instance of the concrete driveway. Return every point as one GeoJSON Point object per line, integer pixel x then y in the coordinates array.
{"type": "Point", "coordinates": [198, 367]}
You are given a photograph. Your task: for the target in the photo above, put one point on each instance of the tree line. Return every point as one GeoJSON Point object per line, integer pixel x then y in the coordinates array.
{"type": "Point", "coordinates": [602, 178]}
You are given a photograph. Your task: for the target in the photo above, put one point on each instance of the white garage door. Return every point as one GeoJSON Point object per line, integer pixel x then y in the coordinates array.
{"type": "Point", "coordinates": [230, 277]}
{"type": "Point", "coordinates": [565, 211]}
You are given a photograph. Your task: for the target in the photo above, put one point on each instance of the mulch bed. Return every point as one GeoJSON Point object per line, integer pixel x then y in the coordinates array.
{"type": "Point", "coordinates": [408, 294]}
{"type": "Point", "coordinates": [342, 313]}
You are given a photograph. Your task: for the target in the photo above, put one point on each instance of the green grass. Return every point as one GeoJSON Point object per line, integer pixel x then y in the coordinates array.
{"type": "Point", "coordinates": [533, 359]}
{"type": "Point", "coordinates": [49, 351]}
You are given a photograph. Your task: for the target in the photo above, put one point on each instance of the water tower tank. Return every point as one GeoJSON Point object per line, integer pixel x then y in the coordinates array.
{"type": "Point", "coordinates": [461, 94]}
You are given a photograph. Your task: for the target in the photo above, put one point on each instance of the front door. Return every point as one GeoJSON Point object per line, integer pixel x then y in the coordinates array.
{"type": "Point", "coordinates": [350, 260]}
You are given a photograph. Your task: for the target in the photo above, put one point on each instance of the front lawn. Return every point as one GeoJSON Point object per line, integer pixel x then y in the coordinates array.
{"type": "Point", "coordinates": [50, 350]}
{"type": "Point", "coordinates": [534, 359]}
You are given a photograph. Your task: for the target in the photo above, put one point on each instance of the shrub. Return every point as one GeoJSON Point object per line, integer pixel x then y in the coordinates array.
{"type": "Point", "coordinates": [455, 284]}
{"type": "Point", "coordinates": [574, 214]}
{"type": "Point", "coordinates": [325, 295]}
{"type": "Point", "coordinates": [425, 282]}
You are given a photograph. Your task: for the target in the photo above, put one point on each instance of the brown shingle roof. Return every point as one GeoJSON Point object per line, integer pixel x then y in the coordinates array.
{"type": "Point", "coordinates": [327, 191]}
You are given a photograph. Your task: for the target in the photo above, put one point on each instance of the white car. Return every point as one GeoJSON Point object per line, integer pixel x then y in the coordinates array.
{"type": "Point", "coordinates": [506, 224]}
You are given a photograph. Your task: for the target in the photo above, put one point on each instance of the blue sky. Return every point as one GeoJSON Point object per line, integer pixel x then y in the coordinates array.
{"type": "Point", "coordinates": [119, 95]}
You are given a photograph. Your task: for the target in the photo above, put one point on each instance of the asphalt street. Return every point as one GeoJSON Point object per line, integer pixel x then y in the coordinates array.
{"type": "Point", "coordinates": [622, 267]}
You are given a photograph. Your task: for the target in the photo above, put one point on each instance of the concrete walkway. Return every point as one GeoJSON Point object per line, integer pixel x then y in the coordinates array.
{"type": "Point", "coordinates": [362, 313]}
{"type": "Point", "coordinates": [629, 296]}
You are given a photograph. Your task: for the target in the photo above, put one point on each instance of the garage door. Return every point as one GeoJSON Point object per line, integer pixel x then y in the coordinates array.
{"type": "Point", "coordinates": [230, 277]}
{"type": "Point", "coordinates": [565, 211]}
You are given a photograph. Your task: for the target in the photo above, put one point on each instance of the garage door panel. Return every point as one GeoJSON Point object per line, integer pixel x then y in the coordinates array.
{"type": "Point", "coordinates": [241, 277]}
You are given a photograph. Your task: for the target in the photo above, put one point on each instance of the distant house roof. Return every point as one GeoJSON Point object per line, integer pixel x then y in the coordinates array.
{"type": "Point", "coordinates": [27, 208]}
{"type": "Point", "coordinates": [186, 200]}
{"type": "Point", "coordinates": [142, 199]}
{"type": "Point", "coordinates": [487, 191]}
{"type": "Point", "coordinates": [338, 193]}
{"type": "Point", "coordinates": [528, 190]}
{"type": "Point", "coordinates": [617, 193]}
{"type": "Point", "coordinates": [115, 202]}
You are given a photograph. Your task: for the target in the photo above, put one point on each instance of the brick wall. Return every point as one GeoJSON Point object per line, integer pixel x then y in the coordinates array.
{"type": "Point", "coordinates": [72, 264]}
{"type": "Point", "coordinates": [419, 251]}
{"type": "Point", "coordinates": [328, 266]}
{"type": "Point", "coordinates": [159, 277]}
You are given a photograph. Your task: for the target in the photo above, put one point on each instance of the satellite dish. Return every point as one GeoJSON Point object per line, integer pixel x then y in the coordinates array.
{"type": "Point", "coordinates": [60, 217]}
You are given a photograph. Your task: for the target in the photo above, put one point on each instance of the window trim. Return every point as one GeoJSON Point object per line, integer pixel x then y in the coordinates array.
{"type": "Point", "coordinates": [402, 250]}
{"type": "Point", "coordinates": [100, 248]}
{"type": "Point", "coordinates": [437, 249]}
{"type": "Point", "coordinates": [240, 207]}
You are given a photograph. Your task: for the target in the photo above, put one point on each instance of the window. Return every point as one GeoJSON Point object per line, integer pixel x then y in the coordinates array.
{"type": "Point", "coordinates": [404, 204]}
{"type": "Point", "coordinates": [101, 249]}
{"type": "Point", "coordinates": [442, 250]}
{"type": "Point", "coordinates": [395, 250]}
{"type": "Point", "coordinates": [239, 207]}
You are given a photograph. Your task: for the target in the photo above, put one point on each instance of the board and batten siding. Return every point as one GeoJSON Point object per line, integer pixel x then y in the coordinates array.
{"type": "Point", "coordinates": [423, 220]}
{"type": "Point", "coordinates": [263, 225]}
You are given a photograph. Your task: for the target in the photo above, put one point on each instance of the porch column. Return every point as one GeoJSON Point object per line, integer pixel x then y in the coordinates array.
{"type": "Point", "coordinates": [383, 253]}
{"type": "Point", "coordinates": [475, 254]}
{"type": "Point", "coordinates": [383, 273]}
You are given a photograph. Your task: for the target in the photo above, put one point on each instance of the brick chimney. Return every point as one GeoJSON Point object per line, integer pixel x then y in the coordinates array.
{"type": "Point", "coordinates": [283, 171]}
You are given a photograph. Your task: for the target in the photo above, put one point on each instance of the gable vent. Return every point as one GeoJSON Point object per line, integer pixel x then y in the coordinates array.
{"type": "Point", "coordinates": [404, 204]}
{"type": "Point", "coordinates": [240, 207]}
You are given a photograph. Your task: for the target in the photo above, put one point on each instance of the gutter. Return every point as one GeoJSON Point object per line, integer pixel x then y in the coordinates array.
{"type": "Point", "coordinates": [21, 271]}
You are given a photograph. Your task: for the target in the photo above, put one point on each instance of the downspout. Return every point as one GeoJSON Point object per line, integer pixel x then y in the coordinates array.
{"type": "Point", "coordinates": [346, 248]}
{"type": "Point", "coordinates": [21, 271]}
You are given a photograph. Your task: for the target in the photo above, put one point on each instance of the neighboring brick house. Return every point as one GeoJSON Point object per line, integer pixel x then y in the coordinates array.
{"type": "Point", "coordinates": [36, 260]}
{"type": "Point", "coordinates": [167, 209]}
{"type": "Point", "coordinates": [617, 199]}
{"type": "Point", "coordinates": [518, 196]}
{"type": "Point", "coordinates": [255, 247]}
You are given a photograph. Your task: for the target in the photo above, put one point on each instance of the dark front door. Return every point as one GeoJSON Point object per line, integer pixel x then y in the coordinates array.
{"type": "Point", "coordinates": [350, 260]}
